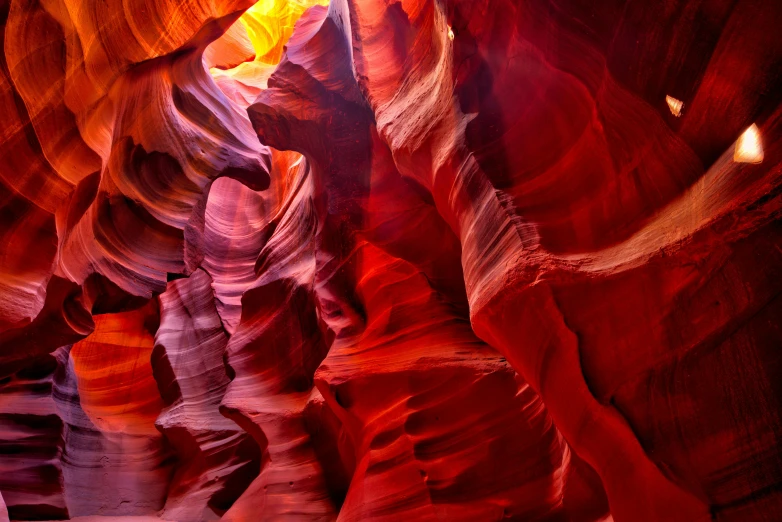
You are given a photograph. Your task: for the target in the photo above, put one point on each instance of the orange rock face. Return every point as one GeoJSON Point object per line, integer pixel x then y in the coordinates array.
{"type": "Point", "coordinates": [370, 260]}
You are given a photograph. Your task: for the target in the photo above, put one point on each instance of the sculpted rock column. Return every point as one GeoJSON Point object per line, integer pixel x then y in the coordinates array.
{"type": "Point", "coordinates": [273, 355]}
{"type": "Point", "coordinates": [559, 174]}
{"type": "Point", "coordinates": [429, 409]}
{"type": "Point", "coordinates": [217, 460]}
{"type": "Point", "coordinates": [31, 445]}
{"type": "Point", "coordinates": [115, 461]}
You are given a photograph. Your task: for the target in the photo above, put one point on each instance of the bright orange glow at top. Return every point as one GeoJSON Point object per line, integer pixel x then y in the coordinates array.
{"type": "Point", "coordinates": [674, 105]}
{"type": "Point", "coordinates": [269, 25]}
{"type": "Point", "coordinates": [748, 147]}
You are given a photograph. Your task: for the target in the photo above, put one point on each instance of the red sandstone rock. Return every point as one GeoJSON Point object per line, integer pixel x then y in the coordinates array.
{"type": "Point", "coordinates": [447, 260]}
{"type": "Point", "coordinates": [118, 463]}
{"type": "Point", "coordinates": [399, 347]}
{"type": "Point", "coordinates": [217, 459]}
{"type": "Point", "coordinates": [273, 354]}
{"type": "Point", "coordinates": [526, 258]}
{"type": "Point", "coordinates": [3, 511]}
{"type": "Point", "coordinates": [31, 449]}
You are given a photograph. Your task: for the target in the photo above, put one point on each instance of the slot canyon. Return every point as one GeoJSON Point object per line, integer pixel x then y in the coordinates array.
{"type": "Point", "coordinates": [391, 260]}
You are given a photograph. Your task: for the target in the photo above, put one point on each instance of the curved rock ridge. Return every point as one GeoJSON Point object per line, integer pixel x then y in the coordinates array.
{"type": "Point", "coordinates": [369, 260]}
{"type": "Point", "coordinates": [114, 136]}
{"type": "Point", "coordinates": [217, 460]}
{"type": "Point", "coordinates": [552, 215]}
{"type": "Point", "coordinates": [403, 358]}
{"type": "Point", "coordinates": [153, 192]}
{"type": "Point", "coordinates": [401, 412]}
{"type": "Point", "coordinates": [117, 462]}
{"type": "Point", "coordinates": [65, 318]}
{"type": "Point", "coordinates": [31, 447]}
{"type": "Point", "coordinates": [31, 190]}
{"type": "Point", "coordinates": [273, 354]}
{"type": "Point", "coordinates": [77, 142]}
{"type": "Point", "coordinates": [236, 228]}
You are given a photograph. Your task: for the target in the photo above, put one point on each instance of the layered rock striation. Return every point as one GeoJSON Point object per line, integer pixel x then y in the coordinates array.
{"type": "Point", "coordinates": [371, 260]}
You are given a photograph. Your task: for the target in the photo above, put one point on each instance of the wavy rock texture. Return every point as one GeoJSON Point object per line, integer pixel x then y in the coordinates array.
{"type": "Point", "coordinates": [590, 206]}
{"type": "Point", "coordinates": [217, 458]}
{"type": "Point", "coordinates": [411, 346]}
{"type": "Point", "coordinates": [31, 473]}
{"type": "Point", "coordinates": [371, 260]}
{"type": "Point", "coordinates": [118, 463]}
{"type": "Point", "coordinates": [60, 62]}
{"type": "Point", "coordinates": [273, 354]}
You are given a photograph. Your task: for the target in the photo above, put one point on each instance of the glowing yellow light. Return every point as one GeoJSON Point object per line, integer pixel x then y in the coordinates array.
{"type": "Point", "coordinates": [450, 33]}
{"type": "Point", "coordinates": [269, 25]}
{"type": "Point", "coordinates": [675, 105]}
{"type": "Point", "coordinates": [748, 146]}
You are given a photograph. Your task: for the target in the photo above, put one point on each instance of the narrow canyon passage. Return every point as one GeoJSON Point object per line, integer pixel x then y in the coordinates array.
{"type": "Point", "coordinates": [383, 260]}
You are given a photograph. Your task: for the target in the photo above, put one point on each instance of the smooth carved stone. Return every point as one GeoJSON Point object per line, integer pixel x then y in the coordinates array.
{"type": "Point", "coordinates": [584, 238]}
{"type": "Point", "coordinates": [372, 260]}
{"type": "Point", "coordinates": [31, 471]}
{"type": "Point", "coordinates": [399, 348]}
{"type": "Point", "coordinates": [217, 460]}
{"type": "Point", "coordinates": [116, 461]}
{"type": "Point", "coordinates": [147, 216]}
{"type": "Point", "coordinates": [60, 62]}
{"type": "Point", "coordinates": [273, 355]}
{"type": "Point", "coordinates": [236, 227]}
